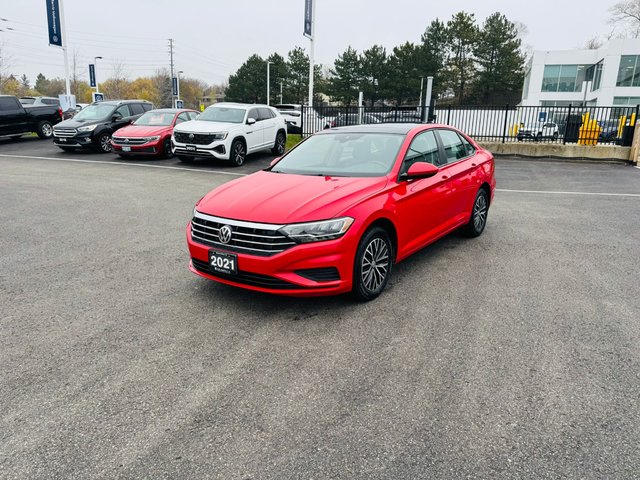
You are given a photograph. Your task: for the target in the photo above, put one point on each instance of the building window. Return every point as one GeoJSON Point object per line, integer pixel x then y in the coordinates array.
{"type": "Point", "coordinates": [563, 78]}
{"type": "Point", "coordinates": [626, 100]}
{"type": "Point", "coordinates": [594, 75]}
{"type": "Point", "coordinates": [629, 71]}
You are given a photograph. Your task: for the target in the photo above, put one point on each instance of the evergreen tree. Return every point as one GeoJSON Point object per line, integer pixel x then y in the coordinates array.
{"type": "Point", "coordinates": [500, 61]}
{"type": "Point", "coordinates": [344, 84]}
{"type": "Point", "coordinates": [403, 81]}
{"type": "Point", "coordinates": [249, 83]}
{"type": "Point", "coordinates": [463, 34]}
{"type": "Point", "coordinates": [435, 47]}
{"type": "Point", "coordinates": [373, 72]}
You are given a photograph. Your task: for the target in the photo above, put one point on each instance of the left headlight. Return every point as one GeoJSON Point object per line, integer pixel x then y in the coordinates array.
{"type": "Point", "coordinates": [220, 135]}
{"type": "Point", "coordinates": [317, 231]}
{"type": "Point", "coordinates": [152, 139]}
{"type": "Point", "coordinates": [88, 128]}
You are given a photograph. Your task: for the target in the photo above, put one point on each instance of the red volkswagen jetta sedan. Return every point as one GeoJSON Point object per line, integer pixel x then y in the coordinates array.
{"type": "Point", "coordinates": [335, 213]}
{"type": "Point", "coordinates": [151, 133]}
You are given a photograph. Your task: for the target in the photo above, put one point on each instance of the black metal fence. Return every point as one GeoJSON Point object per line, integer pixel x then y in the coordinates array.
{"type": "Point", "coordinates": [568, 124]}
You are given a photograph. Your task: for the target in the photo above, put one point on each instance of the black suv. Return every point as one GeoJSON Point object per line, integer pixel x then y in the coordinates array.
{"type": "Point", "coordinates": [93, 126]}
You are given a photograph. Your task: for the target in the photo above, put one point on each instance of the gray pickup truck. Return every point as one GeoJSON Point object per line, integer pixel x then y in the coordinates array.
{"type": "Point", "coordinates": [17, 119]}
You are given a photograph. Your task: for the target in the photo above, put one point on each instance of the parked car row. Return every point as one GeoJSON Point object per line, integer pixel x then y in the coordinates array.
{"type": "Point", "coordinates": [226, 131]}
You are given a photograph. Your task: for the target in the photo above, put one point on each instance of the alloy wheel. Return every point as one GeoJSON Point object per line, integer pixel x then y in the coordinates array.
{"type": "Point", "coordinates": [480, 213]}
{"type": "Point", "coordinates": [280, 142]}
{"type": "Point", "coordinates": [105, 143]}
{"type": "Point", "coordinates": [375, 264]}
{"type": "Point", "coordinates": [239, 153]}
{"type": "Point", "coordinates": [47, 130]}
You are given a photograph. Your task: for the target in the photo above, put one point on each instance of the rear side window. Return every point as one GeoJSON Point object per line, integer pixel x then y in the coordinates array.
{"type": "Point", "coordinates": [50, 101]}
{"type": "Point", "coordinates": [453, 148]}
{"type": "Point", "coordinates": [136, 108]}
{"type": "Point", "coordinates": [467, 146]}
{"type": "Point", "coordinates": [146, 106]}
{"type": "Point", "coordinates": [183, 117]}
{"type": "Point", "coordinates": [423, 148]}
{"type": "Point", "coordinates": [9, 103]}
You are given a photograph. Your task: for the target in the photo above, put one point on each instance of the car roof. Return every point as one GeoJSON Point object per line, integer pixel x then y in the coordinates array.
{"type": "Point", "coordinates": [171, 110]}
{"type": "Point", "coordinates": [120, 102]}
{"type": "Point", "coordinates": [242, 105]}
{"type": "Point", "coordinates": [398, 128]}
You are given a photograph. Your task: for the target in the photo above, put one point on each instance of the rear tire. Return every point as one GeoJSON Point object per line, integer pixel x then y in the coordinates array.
{"type": "Point", "coordinates": [238, 153]}
{"type": "Point", "coordinates": [44, 130]}
{"type": "Point", "coordinates": [479, 213]}
{"type": "Point", "coordinates": [279, 146]}
{"type": "Point", "coordinates": [372, 265]}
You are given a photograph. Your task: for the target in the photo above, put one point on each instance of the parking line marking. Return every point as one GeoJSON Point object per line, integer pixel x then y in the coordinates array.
{"type": "Point", "coordinates": [104, 162]}
{"type": "Point", "coordinates": [598, 194]}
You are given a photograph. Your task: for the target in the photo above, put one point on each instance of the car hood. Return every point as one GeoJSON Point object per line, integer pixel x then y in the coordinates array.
{"type": "Point", "coordinates": [71, 123]}
{"type": "Point", "coordinates": [280, 198]}
{"type": "Point", "coordinates": [203, 126]}
{"type": "Point", "coordinates": [142, 131]}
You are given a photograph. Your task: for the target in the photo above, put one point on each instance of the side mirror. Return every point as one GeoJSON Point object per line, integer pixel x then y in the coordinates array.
{"type": "Point", "coordinates": [251, 121]}
{"type": "Point", "coordinates": [274, 161]}
{"type": "Point", "coordinates": [420, 170]}
{"type": "Point", "coordinates": [116, 116]}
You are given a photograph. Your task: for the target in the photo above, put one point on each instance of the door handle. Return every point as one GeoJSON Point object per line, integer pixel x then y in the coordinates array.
{"type": "Point", "coordinates": [473, 165]}
{"type": "Point", "coordinates": [445, 177]}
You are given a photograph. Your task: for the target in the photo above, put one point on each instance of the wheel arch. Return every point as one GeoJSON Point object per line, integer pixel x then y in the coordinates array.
{"type": "Point", "coordinates": [485, 186]}
{"type": "Point", "coordinates": [386, 224]}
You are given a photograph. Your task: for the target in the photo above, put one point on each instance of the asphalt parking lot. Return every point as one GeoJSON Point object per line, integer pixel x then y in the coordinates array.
{"type": "Point", "coordinates": [513, 355]}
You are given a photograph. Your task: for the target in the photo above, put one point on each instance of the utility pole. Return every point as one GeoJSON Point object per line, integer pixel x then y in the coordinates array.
{"type": "Point", "coordinates": [268, 82]}
{"type": "Point", "coordinates": [173, 103]}
{"type": "Point", "coordinates": [281, 91]}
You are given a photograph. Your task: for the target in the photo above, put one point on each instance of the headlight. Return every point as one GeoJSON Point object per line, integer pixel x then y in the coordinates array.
{"type": "Point", "coordinates": [220, 135]}
{"type": "Point", "coordinates": [317, 231]}
{"type": "Point", "coordinates": [88, 128]}
{"type": "Point", "coordinates": [152, 139]}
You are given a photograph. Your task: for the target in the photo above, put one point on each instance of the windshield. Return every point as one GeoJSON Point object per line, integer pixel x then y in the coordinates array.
{"type": "Point", "coordinates": [343, 155]}
{"type": "Point", "coordinates": [94, 112]}
{"type": "Point", "coordinates": [155, 119]}
{"type": "Point", "coordinates": [223, 114]}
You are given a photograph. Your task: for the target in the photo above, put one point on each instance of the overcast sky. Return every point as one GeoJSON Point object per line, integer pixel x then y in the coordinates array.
{"type": "Point", "coordinates": [214, 37]}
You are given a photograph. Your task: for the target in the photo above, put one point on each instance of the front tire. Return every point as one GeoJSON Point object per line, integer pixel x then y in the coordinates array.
{"type": "Point", "coordinates": [238, 153]}
{"type": "Point", "coordinates": [104, 143]}
{"type": "Point", "coordinates": [478, 220]}
{"type": "Point", "coordinates": [279, 146]}
{"type": "Point", "coordinates": [166, 149]}
{"type": "Point", "coordinates": [373, 263]}
{"type": "Point", "coordinates": [44, 130]}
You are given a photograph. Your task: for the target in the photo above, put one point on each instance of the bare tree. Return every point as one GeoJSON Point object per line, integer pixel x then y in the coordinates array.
{"type": "Point", "coordinates": [627, 13]}
{"type": "Point", "coordinates": [6, 60]}
{"type": "Point", "coordinates": [593, 43]}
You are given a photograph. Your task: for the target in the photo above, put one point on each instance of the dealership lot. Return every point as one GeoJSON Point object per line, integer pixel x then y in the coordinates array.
{"type": "Point", "coordinates": [512, 355]}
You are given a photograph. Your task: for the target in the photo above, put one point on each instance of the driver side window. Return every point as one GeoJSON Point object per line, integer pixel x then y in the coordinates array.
{"type": "Point", "coordinates": [254, 114]}
{"type": "Point", "coordinates": [123, 110]}
{"type": "Point", "coordinates": [423, 148]}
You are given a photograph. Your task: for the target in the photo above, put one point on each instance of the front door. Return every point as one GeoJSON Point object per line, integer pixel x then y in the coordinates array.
{"type": "Point", "coordinates": [423, 205]}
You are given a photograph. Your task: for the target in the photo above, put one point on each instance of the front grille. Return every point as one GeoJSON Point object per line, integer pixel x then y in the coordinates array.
{"type": "Point", "coordinates": [245, 238]}
{"type": "Point", "coordinates": [247, 278]}
{"type": "Point", "coordinates": [129, 141]}
{"type": "Point", "coordinates": [324, 274]}
{"type": "Point", "coordinates": [64, 132]}
{"type": "Point", "coordinates": [194, 138]}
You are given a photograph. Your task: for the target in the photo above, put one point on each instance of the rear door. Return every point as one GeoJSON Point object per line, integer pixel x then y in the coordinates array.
{"type": "Point", "coordinates": [13, 117]}
{"type": "Point", "coordinates": [462, 169]}
{"type": "Point", "coordinates": [422, 205]}
{"type": "Point", "coordinates": [269, 128]}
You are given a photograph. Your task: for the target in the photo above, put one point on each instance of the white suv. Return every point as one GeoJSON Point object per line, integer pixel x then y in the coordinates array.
{"type": "Point", "coordinates": [230, 131]}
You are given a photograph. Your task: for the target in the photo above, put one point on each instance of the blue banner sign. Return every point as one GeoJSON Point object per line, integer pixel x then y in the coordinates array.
{"type": "Point", "coordinates": [308, 17]}
{"type": "Point", "coordinates": [53, 19]}
{"type": "Point", "coordinates": [92, 75]}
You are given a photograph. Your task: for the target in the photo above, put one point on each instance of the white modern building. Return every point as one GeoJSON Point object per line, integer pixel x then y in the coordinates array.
{"type": "Point", "coordinates": [606, 76]}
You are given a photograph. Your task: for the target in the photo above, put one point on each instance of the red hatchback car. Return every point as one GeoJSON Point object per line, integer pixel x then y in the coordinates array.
{"type": "Point", "coordinates": [335, 213]}
{"type": "Point", "coordinates": [151, 133]}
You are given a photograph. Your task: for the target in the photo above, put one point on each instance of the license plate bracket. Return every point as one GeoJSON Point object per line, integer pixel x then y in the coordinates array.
{"type": "Point", "coordinates": [190, 148]}
{"type": "Point", "coordinates": [223, 262]}
{"type": "Point", "coordinates": [126, 149]}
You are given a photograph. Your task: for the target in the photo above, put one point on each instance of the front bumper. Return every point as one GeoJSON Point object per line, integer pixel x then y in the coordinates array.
{"type": "Point", "coordinates": [280, 274]}
{"type": "Point", "coordinates": [151, 148]}
{"type": "Point", "coordinates": [79, 140]}
{"type": "Point", "coordinates": [218, 149]}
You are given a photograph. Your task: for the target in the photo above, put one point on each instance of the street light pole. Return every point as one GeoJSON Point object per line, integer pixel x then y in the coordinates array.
{"type": "Point", "coordinates": [268, 81]}
{"type": "Point", "coordinates": [95, 71]}
{"type": "Point", "coordinates": [280, 91]}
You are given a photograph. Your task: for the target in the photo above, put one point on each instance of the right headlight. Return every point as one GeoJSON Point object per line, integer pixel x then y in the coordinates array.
{"type": "Point", "coordinates": [317, 231]}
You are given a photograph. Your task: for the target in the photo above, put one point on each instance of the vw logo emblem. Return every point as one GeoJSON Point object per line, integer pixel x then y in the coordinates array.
{"type": "Point", "coordinates": [191, 136]}
{"type": "Point", "coordinates": [225, 234]}
{"type": "Point", "coordinates": [126, 140]}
